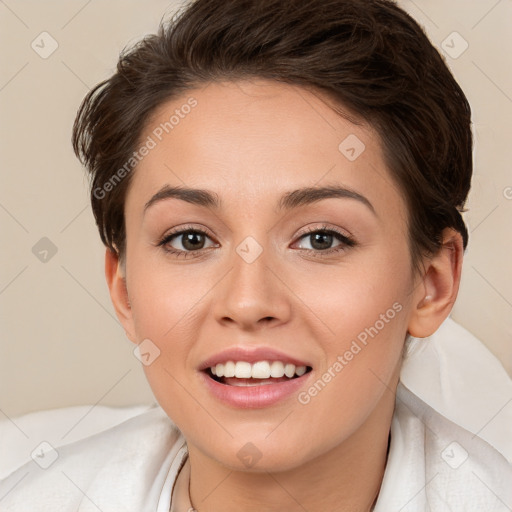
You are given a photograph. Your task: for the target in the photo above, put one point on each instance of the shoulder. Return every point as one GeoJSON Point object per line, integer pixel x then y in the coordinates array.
{"type": "Point", "coordinates": [436, 465]}
{"type": "Point", "coordinates": [122, 468]}
{"type": "Point", "coordinates": [451, 447]}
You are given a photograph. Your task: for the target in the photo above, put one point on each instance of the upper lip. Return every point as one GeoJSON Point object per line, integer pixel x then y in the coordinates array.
{"type": "Point", "coordinates": [251, 355]}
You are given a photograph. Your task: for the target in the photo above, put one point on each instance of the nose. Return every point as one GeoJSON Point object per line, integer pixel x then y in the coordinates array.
{"type": "Point", "coordinates": [252, 295]}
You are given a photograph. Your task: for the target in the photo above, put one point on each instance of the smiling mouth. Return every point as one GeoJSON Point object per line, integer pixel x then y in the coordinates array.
{"type": "Point", "coordinates": [242, 379]}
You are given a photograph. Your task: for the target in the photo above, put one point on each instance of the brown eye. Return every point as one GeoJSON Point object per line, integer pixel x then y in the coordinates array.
{"type": "Point", "coordinates": [193, 240]}
{"type": "Point", "coordinates": [185, 242]}
{"type": "Point", "coordinates": [323, 239]}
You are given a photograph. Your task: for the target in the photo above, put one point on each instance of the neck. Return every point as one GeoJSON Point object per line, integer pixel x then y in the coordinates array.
{"type": "Point", "coordinates": [347, 478]}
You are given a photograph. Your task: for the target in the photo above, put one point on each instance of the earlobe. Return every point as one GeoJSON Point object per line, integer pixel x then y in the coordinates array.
{"type": "Point", "coordinates": [118, 292]}
{"type": "Point", "coordinates": [434, 297]}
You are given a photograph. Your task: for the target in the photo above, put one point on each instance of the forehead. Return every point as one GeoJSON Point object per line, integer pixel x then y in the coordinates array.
{"type": "Point", "coordinates": [250, 141]}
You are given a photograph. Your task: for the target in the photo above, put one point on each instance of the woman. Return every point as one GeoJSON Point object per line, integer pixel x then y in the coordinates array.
{"type": "Point", "coordinates": [279, 187]}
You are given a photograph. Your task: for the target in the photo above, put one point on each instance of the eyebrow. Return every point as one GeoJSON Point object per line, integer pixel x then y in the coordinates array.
{"type": "Point", "coordinates": [289, 200]}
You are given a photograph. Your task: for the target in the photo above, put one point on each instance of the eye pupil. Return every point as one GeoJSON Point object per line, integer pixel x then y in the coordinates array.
{"type": "Point", "coordinates": [195, 239]}
{"type": "Point", "coordinates": [321, 241]}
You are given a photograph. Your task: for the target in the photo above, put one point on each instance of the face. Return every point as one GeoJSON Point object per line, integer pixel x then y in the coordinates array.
{"type": "Point", "coordinates": [323, 280]}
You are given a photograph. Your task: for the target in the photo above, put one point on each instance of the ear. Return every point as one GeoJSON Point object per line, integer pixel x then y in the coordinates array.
{"type": "Point", "coordinates": [437, 289]}
{"type": "Point", "coordinates": [116, 282]}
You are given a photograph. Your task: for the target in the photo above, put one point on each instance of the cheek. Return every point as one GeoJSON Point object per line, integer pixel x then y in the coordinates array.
{"type": "Point", "coordinates": [163, 297]}
{"type": "Point", "coordinates": [355, 295]}
{"type": "Point", "coordinates": [165, 311]}
{"type": "Point", "coordinates": [165, 305]}
{"type": "Point", "coordinates": [367, 324]}
{"type": "Point", "coordinates": [363, 313]}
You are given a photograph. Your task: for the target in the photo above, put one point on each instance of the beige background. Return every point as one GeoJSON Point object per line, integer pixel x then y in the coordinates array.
{"type": "Point", "coordinates": [60, 341]}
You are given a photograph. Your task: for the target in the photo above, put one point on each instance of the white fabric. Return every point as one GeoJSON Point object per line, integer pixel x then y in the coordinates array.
{"type": "Point", "coordinates": [456, 375]}
{"type": "Point", "coordinates": [450, 441]}
{"type": "Point", "coordinates": [19, 437]}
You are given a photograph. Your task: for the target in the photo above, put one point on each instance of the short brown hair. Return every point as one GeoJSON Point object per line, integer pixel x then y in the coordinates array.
{"type": "Point", "coordinates": [369, 55]}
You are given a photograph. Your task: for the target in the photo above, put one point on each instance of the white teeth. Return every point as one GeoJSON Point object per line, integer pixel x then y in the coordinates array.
{"type": "Point", "coordinates": [289, 370]}
{"type": "Point", "coordinates": [300, 370]}
{"type": "Point", "coordinates": [243, 370]}
{"type": "Point", "coordinates": [258, 370]}
{"type": "Point", "coordinates": [229, 369]}
{"type": "Point", "coordinates": [276, 369]}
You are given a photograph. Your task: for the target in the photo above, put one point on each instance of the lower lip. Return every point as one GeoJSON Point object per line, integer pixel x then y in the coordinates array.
{"type": "Point", "coordinates": [254, 397]}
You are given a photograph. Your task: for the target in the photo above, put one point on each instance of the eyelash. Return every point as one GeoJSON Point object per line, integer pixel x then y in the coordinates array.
{"type": "Point", "coordinates": [345, 240]}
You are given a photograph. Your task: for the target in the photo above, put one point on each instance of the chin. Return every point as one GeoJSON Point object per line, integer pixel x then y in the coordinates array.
{"type": "Point", "coordinates": [258, 457]}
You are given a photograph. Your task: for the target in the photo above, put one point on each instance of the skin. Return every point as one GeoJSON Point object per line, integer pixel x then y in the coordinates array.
{"type": "Point", "coordinates": [250, 142]}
